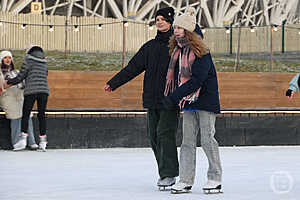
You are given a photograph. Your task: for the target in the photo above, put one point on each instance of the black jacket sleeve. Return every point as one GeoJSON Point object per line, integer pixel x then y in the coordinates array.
{"type": "Point", "coordinates": [21, 75]}
{"type": "Point", "coordinates": [200, 69]}
{"type": "Point", "coordinates": [135, 67]}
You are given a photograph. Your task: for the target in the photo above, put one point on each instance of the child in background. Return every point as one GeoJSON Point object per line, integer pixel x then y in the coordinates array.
{"type": "Point", "coordinates": [34, 71]}
{"type": "Point", "coordinates": [11, 101]}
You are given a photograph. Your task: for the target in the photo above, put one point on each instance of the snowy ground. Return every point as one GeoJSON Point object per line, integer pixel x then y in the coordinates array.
{"type": "Point", "coordinates": [120, 174]}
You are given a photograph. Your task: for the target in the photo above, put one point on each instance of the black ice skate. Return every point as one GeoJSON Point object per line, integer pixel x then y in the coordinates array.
{"type": "Point", "coordinates": [180, 188]}
{"type": "Point", "coordinates": [166, 183]}
{"type": "Point", "coordinates": [212, 187]}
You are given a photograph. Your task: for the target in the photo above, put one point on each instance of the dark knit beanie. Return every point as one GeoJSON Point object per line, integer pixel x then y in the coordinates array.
{"type": "Point", "coordinates": [167, 13]}
{"type": "Point", "coordinates": [36, 51]}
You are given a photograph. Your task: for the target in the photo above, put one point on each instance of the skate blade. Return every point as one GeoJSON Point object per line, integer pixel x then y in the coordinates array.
{"type": "Point", "coordinates": [19, 149]}
{"type": "Point", "coordinates": [212, 191]}
{"type": "Point", "coordinates": [162, 188]}
{"type": "Point", "coordinates": [179, 191]}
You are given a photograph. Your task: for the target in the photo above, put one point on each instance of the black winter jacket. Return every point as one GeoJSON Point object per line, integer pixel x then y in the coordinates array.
{"type": "Point", "coordinates": [153, 59]}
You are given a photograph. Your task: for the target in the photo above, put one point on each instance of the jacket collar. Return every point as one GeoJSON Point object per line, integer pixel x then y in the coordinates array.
{"type": "Point", "coordinates": [164, 36]}
{"type": "Point", "coordinates": [30, 57]}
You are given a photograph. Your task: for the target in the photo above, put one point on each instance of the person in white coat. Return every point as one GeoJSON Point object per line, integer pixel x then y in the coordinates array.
{"type": "Point", "coordinates": [11, 101]}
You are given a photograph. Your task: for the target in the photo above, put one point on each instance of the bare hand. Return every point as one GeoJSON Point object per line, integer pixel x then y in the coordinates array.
{"type": "Point", "coordinates": [292, 95]}
{"type": "Point", "coordinates": [107, 88]}
{"type": "Point", "coordinates": [5, 85]}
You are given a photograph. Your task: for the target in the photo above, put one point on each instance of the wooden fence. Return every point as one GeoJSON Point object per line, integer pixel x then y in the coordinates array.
{"type": "Point", "coordinates": [110, 38]}
{"type": "Point", "coordinates": [237, 90]}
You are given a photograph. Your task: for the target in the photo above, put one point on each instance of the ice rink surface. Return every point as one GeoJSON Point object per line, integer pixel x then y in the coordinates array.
{"type": "Point", "coordinates": [254, 173]}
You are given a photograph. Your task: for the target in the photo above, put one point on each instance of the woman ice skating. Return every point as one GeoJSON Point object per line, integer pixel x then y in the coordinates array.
{"type": "Point", "coordinates": [198, 96]}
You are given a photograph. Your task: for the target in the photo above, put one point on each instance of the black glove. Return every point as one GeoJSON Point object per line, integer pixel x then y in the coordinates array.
{"type": "Point", "coordinates": [288, 93]}
{"type": "Point", "coordinates": [169, 104]}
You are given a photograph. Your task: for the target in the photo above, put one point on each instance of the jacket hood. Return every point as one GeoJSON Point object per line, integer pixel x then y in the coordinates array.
{"type": "Point", "coordinates": [198, 31]}
{"type": "Point", "coordinates": [35, 51]}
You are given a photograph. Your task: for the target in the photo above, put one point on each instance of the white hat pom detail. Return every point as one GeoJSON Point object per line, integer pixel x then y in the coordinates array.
{"type": "Point", "coordinates": [191, 11]}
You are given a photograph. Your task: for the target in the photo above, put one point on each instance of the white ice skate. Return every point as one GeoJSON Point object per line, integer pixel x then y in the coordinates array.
{"type": "Point", "coordinates": [212, 187]}
{"type": "Point", "coordinates": [43, 143]}
{"type": "Point", "coordinates": [21, 144]}
{"type": "Point", "coordinates": [165, 183]}
{"type": "Point", "coordinates": [180, 188]}
{"type": "Point", "coordinates": [33, 147]}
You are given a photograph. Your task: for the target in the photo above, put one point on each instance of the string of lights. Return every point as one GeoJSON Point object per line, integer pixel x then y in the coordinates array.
{"type": "Point", "coordinates": [76, 26]}
{"type": "Point", "coordinates": [228, 28]}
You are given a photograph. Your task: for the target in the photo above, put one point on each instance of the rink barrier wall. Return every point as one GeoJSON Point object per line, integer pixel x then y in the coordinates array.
{"type": "Point", "coordinates": [108, 130]}
{"type": "Point", "coordinates": [75, 89]}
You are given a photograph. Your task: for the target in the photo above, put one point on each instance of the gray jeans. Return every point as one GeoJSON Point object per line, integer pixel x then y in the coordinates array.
{"type": "Point", "coordinates": [15, 127]}
{"type": "Point", "coordinates": [193, 121]}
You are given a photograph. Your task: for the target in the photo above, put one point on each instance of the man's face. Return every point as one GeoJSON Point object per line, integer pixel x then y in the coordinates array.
{"type": "Point", "coordinates": [161, 24]}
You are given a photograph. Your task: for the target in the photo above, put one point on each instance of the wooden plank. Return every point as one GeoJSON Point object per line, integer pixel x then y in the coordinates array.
{"type": "Point", "coordinates": [85, 90]}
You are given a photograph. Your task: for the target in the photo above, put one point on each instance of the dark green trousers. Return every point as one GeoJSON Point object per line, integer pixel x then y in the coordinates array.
{"type": "Point", "coordinates": [162, 127]}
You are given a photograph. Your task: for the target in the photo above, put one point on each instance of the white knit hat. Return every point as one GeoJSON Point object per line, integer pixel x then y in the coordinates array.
{"type": "Point", "coordinates": [186, 20]}
{"type": "Point", "coordinates": [3, 54]}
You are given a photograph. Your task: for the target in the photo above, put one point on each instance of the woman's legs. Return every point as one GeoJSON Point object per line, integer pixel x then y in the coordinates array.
{"type": "Point", "coordinates": [15, 129]}
{"type": "Point", "coordinates": [31, 139]}
{"type": "Point", "coordinates": [42, 105]}
{"type": "Point", "coordinates": [210, 145]}
{"type": "Point", "coordinates": [187, 164]}
{"type": "Point", "coordinates": [42, 100]}
{"type": "Point", "coordinates": [27, 107]}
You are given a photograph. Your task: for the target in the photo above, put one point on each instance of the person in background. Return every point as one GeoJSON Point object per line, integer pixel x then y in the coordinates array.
{"type": "Point", "coordinates": [293, 87]}
{"type": "Point", "coordinates": [196, 92]}
{"type": "Point", "coordinates": [34, 71]}
{"type": "Point", "coordinates": [162, 124]}
{"type": "Point", "coordinates": [11, 101]}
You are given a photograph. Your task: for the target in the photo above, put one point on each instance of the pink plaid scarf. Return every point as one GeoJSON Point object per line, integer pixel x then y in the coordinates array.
{"type": "Point", "coordinates": [185, 70]}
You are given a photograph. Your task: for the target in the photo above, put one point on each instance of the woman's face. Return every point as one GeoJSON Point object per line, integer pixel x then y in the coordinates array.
{"type": "Point", "coordinates": [179, 32]}
{"type": "Point", "coordinates": [7, 60]}
{"type": "Point", "coordinates": [161, 24]}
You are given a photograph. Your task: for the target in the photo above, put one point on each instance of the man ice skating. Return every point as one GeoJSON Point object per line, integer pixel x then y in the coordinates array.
{"type": "Point", "coordinates": [153, 59]}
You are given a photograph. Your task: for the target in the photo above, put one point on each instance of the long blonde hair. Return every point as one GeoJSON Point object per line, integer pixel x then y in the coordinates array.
{"type": "Point", "coordinates": [194, 41]}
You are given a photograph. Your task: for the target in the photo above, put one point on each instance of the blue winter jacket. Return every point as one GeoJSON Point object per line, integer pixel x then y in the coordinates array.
{"type": "Point", "coordinates": [294, 83]}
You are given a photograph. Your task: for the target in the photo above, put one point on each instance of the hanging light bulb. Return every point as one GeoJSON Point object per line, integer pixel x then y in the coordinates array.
{"type": "Point", "coordinates": [51, 28]}
{"type": "Point", "coordinates": [1, 24]}
{"type": "Point", "coordinates": [299, 32]}
{"type": "Point", "coordinates": [203, 30]}
{"type": "Point", "coordinates": [99, 26]}
{"type": "Point", "coordinates": [275, 28]}
{"type": "Point", "coordinates": [252, 29]}
{"type": "Point", "coordinates": [227, 30]}
{"type": "Point", "coordinates": [23, 26]}
{"type": "Point", "coordinates": [76, 28]}
{"type": "Point", "coordinates": [151, 25]}
{"type": "Point", "coordinates": [125, 23]}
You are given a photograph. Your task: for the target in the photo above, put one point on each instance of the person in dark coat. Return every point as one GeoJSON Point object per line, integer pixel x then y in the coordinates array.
{"type": "Point", "coordinates": [162, 124]}
{"type": "Point", "coordinates": [196, 92]}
